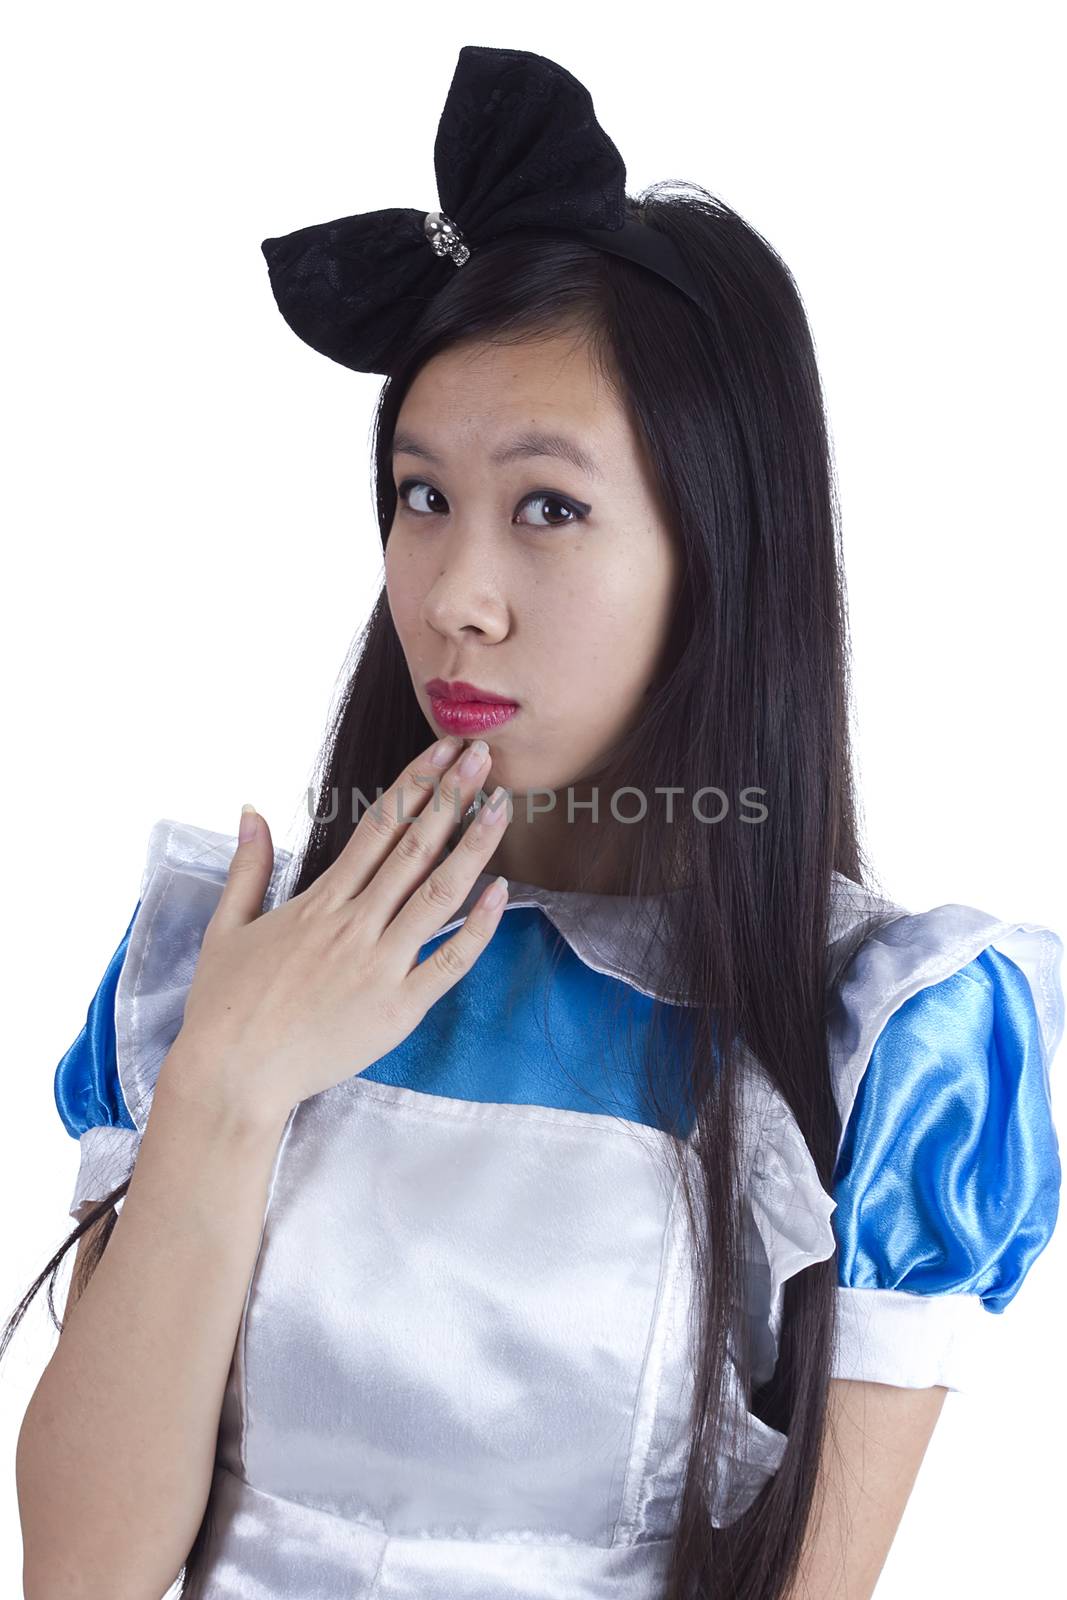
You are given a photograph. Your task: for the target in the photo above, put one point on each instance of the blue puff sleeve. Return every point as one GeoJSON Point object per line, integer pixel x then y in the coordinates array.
{"type": "Point", "coordinates": [948, 1174]}
{"type": "Point", "coordinates": [89, 1096]}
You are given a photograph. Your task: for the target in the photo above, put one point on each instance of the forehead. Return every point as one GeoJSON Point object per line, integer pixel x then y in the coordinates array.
{"type": "Point", "coordinates": [507, 402]}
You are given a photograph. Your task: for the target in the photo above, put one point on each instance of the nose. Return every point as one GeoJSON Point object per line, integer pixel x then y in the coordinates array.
{"type": "Point", "coordinates": [466, 596]}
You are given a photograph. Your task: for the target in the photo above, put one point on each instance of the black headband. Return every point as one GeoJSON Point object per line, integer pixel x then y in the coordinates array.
{"type": "Point", "coordinates": [518, 147]}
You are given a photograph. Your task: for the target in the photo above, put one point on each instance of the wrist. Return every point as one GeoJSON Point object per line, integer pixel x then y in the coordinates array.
{"type": "Point", "coordinates": [197, 1088]}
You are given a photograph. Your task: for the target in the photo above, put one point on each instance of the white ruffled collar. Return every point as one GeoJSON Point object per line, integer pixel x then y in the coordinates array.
{"type": "Point", "coordinates": [623, 936]}
{"type": "Point", "coordinates": [630, 937]}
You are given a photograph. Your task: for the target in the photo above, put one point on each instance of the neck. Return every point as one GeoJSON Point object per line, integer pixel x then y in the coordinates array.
{"type": "Point", "coordinates": [548, 851]}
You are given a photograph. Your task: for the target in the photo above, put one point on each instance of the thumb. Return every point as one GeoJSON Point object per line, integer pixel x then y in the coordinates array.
{"type": "Point", "coordinates": [249, 872]}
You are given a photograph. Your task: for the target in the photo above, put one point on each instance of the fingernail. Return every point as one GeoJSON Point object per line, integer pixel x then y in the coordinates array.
{"type": "Point", "coordinates": [443, 752]}
{"type": "Point", "coordinates": [496, 894]}
{"type": "Point", "coordinates": [249, 823]}
{"type": "Point", "coordinates": [474, 759]}
{"type": "Point", "coordinates": [495, 808]}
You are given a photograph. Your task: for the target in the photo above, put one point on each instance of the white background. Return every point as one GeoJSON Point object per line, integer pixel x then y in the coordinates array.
{"type": "Point", "coordinates": [192, 547]}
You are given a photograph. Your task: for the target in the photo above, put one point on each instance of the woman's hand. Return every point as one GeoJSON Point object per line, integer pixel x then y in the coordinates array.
{"type": "Point", "coordinates": [287, 1003]}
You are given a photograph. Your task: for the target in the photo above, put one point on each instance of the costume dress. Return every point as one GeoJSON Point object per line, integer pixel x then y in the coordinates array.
{"type": "Point", "coordinates": [462, 1367]}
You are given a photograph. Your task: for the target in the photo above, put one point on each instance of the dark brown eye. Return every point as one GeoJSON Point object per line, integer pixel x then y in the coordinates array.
{"type": "Point", "coordinates": [571, 513]}
{"type": "Point", "coordinates": [414, 483]}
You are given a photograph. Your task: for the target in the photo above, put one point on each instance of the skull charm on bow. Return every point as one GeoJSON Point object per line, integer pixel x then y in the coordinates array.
{"type": "Point", "coordinates": [446, 238]}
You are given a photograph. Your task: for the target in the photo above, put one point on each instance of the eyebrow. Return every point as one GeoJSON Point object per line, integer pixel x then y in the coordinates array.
{"type": "Point", "coordinates": [525, 445]}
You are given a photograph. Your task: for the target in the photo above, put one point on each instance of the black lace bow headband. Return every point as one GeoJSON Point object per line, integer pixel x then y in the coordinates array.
{"type": "Point", "coordinates": [518, 146]}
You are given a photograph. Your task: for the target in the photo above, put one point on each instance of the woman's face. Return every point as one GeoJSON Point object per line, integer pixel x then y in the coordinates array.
{"type": "Point", "coordinates": [536, 578]}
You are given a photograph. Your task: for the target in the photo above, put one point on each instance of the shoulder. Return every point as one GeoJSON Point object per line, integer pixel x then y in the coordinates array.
{"type": "Point", "coordinates": [947, 1179]}
{"type": "Point", "coordinates": [966, 964]}
{"type": "Point", "coordinates": [188, 850]}
{"type": "Point", "coordinates": [184, 874]}
{"type": "Point", "coordinates": [103, 1084]}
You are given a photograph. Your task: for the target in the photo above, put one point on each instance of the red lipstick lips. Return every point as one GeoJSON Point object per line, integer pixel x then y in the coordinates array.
{"type": "Point", "coordinates": [463, 708]}
{"type": "Point", "coordinates": [466, 692]}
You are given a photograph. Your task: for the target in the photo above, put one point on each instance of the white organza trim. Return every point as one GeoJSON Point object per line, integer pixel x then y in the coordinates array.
{"type": "Point", "coordinates": [910, 1340]}
{"type": "Point", "coordinates": [107, 1157]}
{"type": "Point", "coordinates": [918, 950]}
{"type": "Point", "coordinates": [787, 1221]}
{"type": "Point", "coordinates": [751, 1464]}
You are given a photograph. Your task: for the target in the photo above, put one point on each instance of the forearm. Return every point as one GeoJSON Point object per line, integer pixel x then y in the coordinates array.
{"type": "Point", "coordinates": [117, 1448]}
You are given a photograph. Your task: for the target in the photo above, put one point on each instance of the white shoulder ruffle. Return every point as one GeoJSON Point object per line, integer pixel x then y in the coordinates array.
{"type": "Point", "coordinates": [918, 949]}
{"type": "Point", "coordinates": [183, 879]}
{"type": "Point", "coordinates": [184, 873]}
{"type": "Point", "coordinates": [106, 1155]}
{"type": "Point", "coordinates": [786, 1228]}
{"type": "Point", "coordinates": [787, 1215]}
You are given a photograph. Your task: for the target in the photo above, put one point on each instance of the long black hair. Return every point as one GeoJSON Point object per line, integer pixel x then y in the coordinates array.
{"type": "Point", "coordinates": [753, 692]}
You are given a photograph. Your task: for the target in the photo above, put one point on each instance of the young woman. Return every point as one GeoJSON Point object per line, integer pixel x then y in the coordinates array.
{"type": "Point", "coordinates": [623, 1234]}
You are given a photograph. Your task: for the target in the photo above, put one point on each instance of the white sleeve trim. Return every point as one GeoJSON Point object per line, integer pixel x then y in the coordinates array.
{"type": "Point", "coordinates": [910, 1340]}
{"type": "Point", "coordinates": [107, 1157]}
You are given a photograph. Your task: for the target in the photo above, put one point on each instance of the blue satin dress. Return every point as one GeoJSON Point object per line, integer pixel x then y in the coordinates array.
{"type": "Point", "coordinates": [463, 1363]}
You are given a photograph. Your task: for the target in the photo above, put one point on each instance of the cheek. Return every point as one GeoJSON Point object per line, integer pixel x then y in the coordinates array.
{"type": "Point", "coordinates": [402, 593]}
{"type": "Point", "coordinates": [624, 624]}
{"type": "Point", "coordinates": [598, 651]}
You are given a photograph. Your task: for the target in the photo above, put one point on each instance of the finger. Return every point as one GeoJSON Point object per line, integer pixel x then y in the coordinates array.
{"type": "Point", "coordinates": [418, 846]}
{"type": "Point", "coordinates": [438, 898]}
{"type": "Point", "coordinates": [455, 956]}
{"type": "Point", "coordinates": [384, 824]}
{"type": "Point", "coordinates": [376, 831]}
{"type": "Point", "coordinates": [249, 873]}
